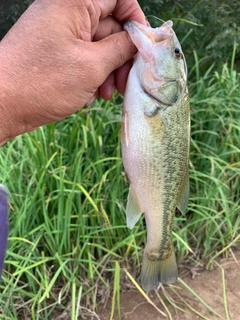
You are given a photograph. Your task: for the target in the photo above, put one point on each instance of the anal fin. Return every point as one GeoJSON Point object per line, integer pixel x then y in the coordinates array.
{"type": "Point", "coordinates": [133, 211]}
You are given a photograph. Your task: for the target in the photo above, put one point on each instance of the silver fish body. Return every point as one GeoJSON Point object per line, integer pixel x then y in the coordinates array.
{"type": "Point", "coordinates": [155, 145]}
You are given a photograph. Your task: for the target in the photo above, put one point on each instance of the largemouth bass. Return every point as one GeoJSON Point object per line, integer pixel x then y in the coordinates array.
{"type": "Point", "coordinates": [155, 144]}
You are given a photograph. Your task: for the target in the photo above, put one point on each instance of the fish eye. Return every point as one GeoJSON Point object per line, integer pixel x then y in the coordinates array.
{"type": "Point", "coordinates": [178, 53]}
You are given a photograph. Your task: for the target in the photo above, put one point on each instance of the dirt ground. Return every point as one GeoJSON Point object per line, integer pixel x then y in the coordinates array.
{"type": "Point", "coordinates": [209, 285]}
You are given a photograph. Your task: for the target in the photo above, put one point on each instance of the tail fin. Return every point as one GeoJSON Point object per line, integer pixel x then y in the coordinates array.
{"type": "Point", "coordinates": [158, 271]}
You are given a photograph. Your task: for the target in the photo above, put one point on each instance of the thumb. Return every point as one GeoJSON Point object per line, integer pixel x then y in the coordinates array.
{"type": "Point", "coordinates": [112, 52]}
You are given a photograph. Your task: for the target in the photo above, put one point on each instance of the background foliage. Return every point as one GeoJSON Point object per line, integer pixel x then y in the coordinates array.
{"type": "Point", "coordinates": [10, 11]}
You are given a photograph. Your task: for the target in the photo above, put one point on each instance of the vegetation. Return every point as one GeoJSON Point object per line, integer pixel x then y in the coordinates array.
{"type": "Point", "coordinates": [68, 242]}
{"type": "Point", "coordinates": [10, 11]}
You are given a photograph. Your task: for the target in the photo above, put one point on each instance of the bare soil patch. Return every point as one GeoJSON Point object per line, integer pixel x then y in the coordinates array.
{"type": "Point", "coordinates": [209, 285]}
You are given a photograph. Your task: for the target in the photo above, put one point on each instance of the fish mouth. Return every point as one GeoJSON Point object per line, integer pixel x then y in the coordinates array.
{"type": "Point", "coordinates": [162, 33]}
{"type": "Point", "coordinates": [145, 38]}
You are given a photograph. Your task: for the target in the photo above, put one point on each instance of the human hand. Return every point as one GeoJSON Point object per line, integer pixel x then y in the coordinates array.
{"type": "Point", "coordinates": [61, 55]}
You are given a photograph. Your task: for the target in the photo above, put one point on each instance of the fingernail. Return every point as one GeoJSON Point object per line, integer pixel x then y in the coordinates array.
{"type": "Point", "coordinates": [112, 92]}
{"type": "Point", "coordinates": [90, 101]}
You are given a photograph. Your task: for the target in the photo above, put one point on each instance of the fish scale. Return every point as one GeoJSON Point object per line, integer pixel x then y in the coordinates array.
{"type": "Point", "coordinates": [155, 145]}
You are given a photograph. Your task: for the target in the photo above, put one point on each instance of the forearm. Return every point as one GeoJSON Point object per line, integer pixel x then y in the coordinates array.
{"type": "Point", "coordinates": [13, 107]}
{"type": "Point", "coordinates": [9, 126]}
{"type": "Point", "coordinates": [27, 93]}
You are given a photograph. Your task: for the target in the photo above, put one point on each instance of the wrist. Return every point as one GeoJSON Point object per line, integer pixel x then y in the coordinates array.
{"type": "Point", "coordinates": [14, 96]}
{"type": "Point", "coordinates": [7, 124]}
{"type": "Point", "coordinates": [11, 119]}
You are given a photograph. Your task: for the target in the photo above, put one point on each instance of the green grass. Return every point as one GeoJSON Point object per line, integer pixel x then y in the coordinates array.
{"type": "Point", "coordinates": [68, 238]}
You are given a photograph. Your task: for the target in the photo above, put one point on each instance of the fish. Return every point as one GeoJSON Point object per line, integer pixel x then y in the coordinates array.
{"type": "Point", "coordinates": [3, 224]}
{"type": "Point", "coordinates": [155, 138]}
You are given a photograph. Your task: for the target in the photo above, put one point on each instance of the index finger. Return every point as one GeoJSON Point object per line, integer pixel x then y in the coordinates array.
{"type": "Point", "coordinates": [128, 10]}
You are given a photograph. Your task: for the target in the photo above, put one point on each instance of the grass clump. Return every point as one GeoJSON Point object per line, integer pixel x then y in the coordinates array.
{"type": "Point", "coordinates": [68, 235]}
{"type": "Point", "coordinates": [64, 180]}
{"type": "Point", "coordinates": [215, 160]}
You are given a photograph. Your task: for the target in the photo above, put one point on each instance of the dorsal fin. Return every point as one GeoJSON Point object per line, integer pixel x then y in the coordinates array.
{"type": "Point", "coordinates": [183, 200]}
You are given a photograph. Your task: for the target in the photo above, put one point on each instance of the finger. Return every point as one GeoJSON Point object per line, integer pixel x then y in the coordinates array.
{"type": "Point", "coordinates": [107, 88]}
{"type": "Point", "coordinates": [122, 75]}
{"type": "Point", "coordinates": [90, 101]}
{"type": "Point", "coordinates": [112, 52]}
{"type": "Point", "coordinates": [128, 10]}
{"type": "Point", "coordinates": [106, 27]}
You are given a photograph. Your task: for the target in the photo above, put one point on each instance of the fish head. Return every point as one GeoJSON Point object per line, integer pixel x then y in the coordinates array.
{"type": "Point", "coordinates": [160, 62]}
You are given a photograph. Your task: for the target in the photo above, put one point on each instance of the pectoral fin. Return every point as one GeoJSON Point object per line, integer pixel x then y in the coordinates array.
{"type": "Point", "coordinates": [133, 211]}
{"type": "Point", "coordinates": [125, 128]}
{"type": "Point", "coordinates": [183, 201]}
{"type": "Point", "coordinates": [151, 110]}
